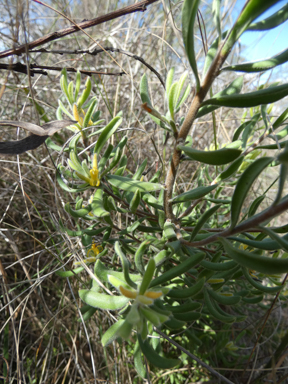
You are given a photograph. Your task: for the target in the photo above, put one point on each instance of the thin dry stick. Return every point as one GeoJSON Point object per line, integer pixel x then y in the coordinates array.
{"type": "Point", "coordinates": [41, 69]}
{"type": "Point", "coordinates": [264, 324]}
{"type": "Point", "coordinates": [211, 370]}
{"type": "Point", "coordinates": [138, 7]}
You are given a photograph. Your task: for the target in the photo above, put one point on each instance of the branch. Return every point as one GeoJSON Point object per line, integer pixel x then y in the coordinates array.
{"type": "Point", "coordinates": [187, 124]}
{"type": "Point", "coordinates": [138, 7]}
{"type": "Point", "coordinates": [246, 226]}
{"type": "Point", "coordinates": [95, 52]}
{"type": "Point", "coordinates": [22, 68]}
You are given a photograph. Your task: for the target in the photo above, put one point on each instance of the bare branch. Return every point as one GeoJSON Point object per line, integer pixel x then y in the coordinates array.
{"type": "Point", "coordinates": [138, 7]}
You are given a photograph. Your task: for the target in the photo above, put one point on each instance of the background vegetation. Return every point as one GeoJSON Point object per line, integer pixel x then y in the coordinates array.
{"type": "Point", "coordinates": [43, 336]}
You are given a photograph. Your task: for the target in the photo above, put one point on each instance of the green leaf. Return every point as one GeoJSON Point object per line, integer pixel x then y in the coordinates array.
{"type": "Point", "coordinates": [125, 265]}
{"type": "Point", "coordinates": [139, 256]}
{"type": "Point", "coordinates": [151, 200]}
{"type": "Point", "coordinates": [213, 266]}
{"type": "Point", "coordinates": [107, 133]}
{"type": "Point", "coordinates": [102, 301]}
{"type": "Point", "coordinates": [252, 99]}
{"type": "Point", "coordinates": [180, 85]}
{"type": "Point", "coordinates": [276, 137]}
{"type": "Point", "coordinates": [69, 273]}
{"type": "Point", "coordinates": [186, 93]}
{"type": "Point", "coordinates": [169, 80]}
{"type": "Point", "coordinates": [228, 172]}
{"type": "Point", "coordinates": [148, 276]}
{"type": "Point", "coordinates": [71, 92]}
{"type": "Point", "coordinates": [88, 312]}
{"type": "Point", "coordinates": [243, 185]}
{"type": "Point", "coordinates": [89, 113]}
{"type": "Point", "coordinates": [135, 201]}
{"type": "Point", "coordinates": [179, 270]}
{"type": "Point", "coordinates": [260, 65]}
{"type": "Point", "coordinates": [266, 244]}
{"type": "Point", "coordinates": [254, 206]}
{"type": "Point", "coordinates": [85, 94]}
{"type": "Point", "coordinates": [97, 204]}
{"type": "Point", "coordinates": [281, 119]}
{"type": "Point", "coordinates": [216, 15]}
{"type": "Point", "coordinates": [102, 273]}
{"type": "Point", "coordinates": [272, 21]}
{"type": "Point", "coordinates": [233, 89]}
{"type": "Point", "coordinates": [132, 185]}
{"type": "Point", "coordinates": [67, 188]}
{"type": "Point", "coordinates": [138, 362]}
{"type": "Point", "coordinates": [263, 264]}
{"type": "Point", "coordinates": [250, 12]}
{"type": "Point", "coordinates": [172, 99]}
{"type": "Point", "coordinates": [111, 334]}
{"type": "Point", "coordinates": [78, 212]}
{"type": "Point", "coordinates": [280, 240]}
{"type": "Point", "coordinates": [259, 286]}
{"type": "Point", "coordinates": [218, 157]}
{"type": "Point", "coordinates": [169, 231]}
{"type": "Point", "coordinates": [144, 90]}
{"type": "Point", "coordinates": [222, 299]}
{"type": "Point", "coordinates": [189, 12]}
{"type": "Point", "coordinates": [140, 170]}
{"type": "Point", "coordinates": [154, 358]}
{"type": "Point", "coordinates": [188, 316]}
{"type": "Point", "coordinates": [125, 330]}
{"type": "Point", "coordinates": [181, 308]}
{"type": "Point", "coordinates": [202, 220]}
{"type": "Point", "coordinates": [63, 109]}
{"type": "Point", "coordinates": [194, 194]}
{"type": "Point", "coordinates": [77, 85]}
{"type": "Point", "coordinates": [248, 129]}
{"type": "Point", "coordinates": [187, 292]}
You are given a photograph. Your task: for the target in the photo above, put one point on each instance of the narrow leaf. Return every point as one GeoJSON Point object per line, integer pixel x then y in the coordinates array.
{"type": "Point", "coordinates": [125, 265]}
{"type": "Point", "coordinates": [263, 264]}
{"type": "Point", "coordinates": [169, 80]}
{"type": "Point", "coordinates": [252, 99]}
{"type": "Point", "coordinates": [179, 270]}
{"type": "Point", "coordinates": [154, 358]}
{"type": "Point", "coordinates": [243, 185]}
{"type": "Point", "coordinates": [260, 65]}
{"type": "Point", "coordinates": [111, 334]}
{"type": "Point", "coordinates": [132, 185]}
{"type": "Point", "coordinates": [203, 219]}
{"type": "Point", "coordinates": [107, 133]}
{"type": "Point", "coordinates": [218, 157]}
{"type": "Point", "coordinates": [194, 194]}
{"type": "Point", "coordinates": [250, 12]}
{"type": "Point", "coordinates": [232, 89]}
{"type": "Point", "coordinates": [189, 11]}
{"type": "Point", "coordinates": [272, 21]}
{"type": "Point", "coordinates": [102, 301]}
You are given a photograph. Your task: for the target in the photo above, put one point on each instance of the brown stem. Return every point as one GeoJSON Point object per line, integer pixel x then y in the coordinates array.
{"type": "Point", "coordinates": [187, 124]}
{"type": "Point", "coordinates": [138, 7]}
{"type": "Point", "coordinates": [253, 222]}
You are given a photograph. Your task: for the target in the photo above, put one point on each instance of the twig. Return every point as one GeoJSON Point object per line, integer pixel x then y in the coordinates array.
{"type": "Point", "coordinates": [95, 52]}
{"type": "Point", "coordinates": [264, 324]}
{"type": "Point", "coordinates": [211, 370]}
{"type": "Point", "coordinates": [253, 222]}
{"type": "Point", "coordinates": [138, 7]}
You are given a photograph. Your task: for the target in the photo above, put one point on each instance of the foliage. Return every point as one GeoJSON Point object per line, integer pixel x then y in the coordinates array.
{"type": "Point", "coordinates": [183, 260]}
